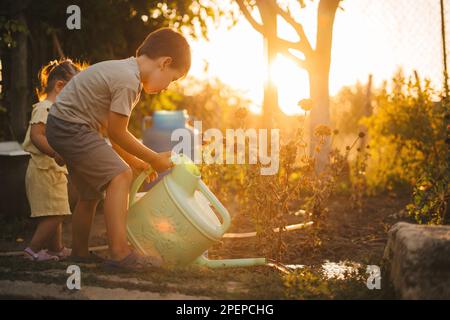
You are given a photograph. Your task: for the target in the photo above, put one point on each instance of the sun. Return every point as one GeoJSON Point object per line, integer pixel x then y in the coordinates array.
{"type": "Point", "coordinates": [292, 84]}
{"type": "Point", "coordinates": [237, 57]}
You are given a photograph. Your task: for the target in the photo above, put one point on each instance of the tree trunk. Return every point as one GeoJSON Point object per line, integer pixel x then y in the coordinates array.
{"type": "Point", "coordinates": [19, 103]}
{"type": "Point", "coordinates": [320, 115]}
{"type": "Point", "coordinates": [319, 69]}
{"type": "Point", "coordinates": [270, 101]}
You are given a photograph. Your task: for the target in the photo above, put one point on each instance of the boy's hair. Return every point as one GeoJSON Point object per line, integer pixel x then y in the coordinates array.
{"type": "Point", "coordinates": [166, 42]}
{"type": "Point", "coordinates": [56, 70]}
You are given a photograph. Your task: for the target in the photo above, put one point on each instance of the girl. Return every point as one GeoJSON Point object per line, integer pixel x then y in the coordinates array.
{"type": "Point", "coordinates": [46, 182]}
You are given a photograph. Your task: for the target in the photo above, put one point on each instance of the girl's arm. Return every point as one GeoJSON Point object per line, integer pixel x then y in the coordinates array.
{"type": "Point", "coordinates": [39, 139]}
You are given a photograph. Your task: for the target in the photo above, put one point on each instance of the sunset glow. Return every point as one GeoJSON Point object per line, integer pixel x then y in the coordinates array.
{"type": "Point", "coordinates": [362, 44]}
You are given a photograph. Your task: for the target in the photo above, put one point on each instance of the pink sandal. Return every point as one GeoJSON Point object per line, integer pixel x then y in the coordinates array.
{"type": "Point", "coordinates": [42, 255]}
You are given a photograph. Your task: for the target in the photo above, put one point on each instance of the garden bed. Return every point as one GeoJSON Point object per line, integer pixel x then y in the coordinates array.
{"type": "Point", "coordinates": [347, 237]}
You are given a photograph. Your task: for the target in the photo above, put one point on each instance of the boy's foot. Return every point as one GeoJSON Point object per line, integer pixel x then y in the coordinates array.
{"type": "Point", "coordinates": [42, 255]}
{"type": "Point", "coordinates": [91, 258]}
{"type": "Point", "coordinates": [62, 254]}
{"type": "Point", "coordinates": [134, 262]}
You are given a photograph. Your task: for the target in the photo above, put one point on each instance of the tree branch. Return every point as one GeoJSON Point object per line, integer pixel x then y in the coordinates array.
{"type": "Point", "coordinates": [57, 45]}
{"type": "Point", "coordinates": [303, 45]}
{"type": "Point", "coordinates": [282, 44]}
{"type": "Point", "coordinates": [258, 27]}
{"type": "Point", "coordinates": [301, 63]}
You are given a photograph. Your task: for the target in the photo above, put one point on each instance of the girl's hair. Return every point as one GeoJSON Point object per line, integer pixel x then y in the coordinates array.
{"type": "Point", "coordinates": [54, 71]}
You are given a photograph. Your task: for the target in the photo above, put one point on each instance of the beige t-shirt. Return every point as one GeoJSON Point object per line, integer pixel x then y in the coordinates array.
{"type": "Point", "coordinates": [112, 85]}
{"type": "Point", "coordinates": [40, 160]}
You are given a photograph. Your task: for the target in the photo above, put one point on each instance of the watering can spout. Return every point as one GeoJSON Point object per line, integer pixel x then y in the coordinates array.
{"type": "Point", "coordinates": [230, 263]}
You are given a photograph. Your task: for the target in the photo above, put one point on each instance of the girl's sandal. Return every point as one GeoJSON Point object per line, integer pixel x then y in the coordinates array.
{"type": "Point", "coordinates": [134, 262]}
{"type": "Point", "coordinates": [42, 255]}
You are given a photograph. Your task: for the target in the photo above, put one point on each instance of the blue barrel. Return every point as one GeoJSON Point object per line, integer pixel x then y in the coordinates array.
{"type": "Point", "coordinates": [158, 136]}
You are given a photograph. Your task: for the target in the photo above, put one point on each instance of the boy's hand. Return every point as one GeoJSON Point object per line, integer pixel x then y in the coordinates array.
{"type": "Point", "coordinates": [162, 161]}
{"type": "Point", "coordinates": [138, 166]}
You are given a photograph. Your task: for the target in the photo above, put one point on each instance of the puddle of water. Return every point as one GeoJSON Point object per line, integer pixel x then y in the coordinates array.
{"type": "Point", "coordinates": [295, 266]}
{"type": "Point", "coordinates": [339, 270]}
{"type": "Point", "coordinates": [279, 266]}
{"type": "Point", "coordinates": [333, 270]}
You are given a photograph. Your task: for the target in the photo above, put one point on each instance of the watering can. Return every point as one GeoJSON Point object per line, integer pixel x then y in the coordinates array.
{"type": "Point", "coordinates": [175, 219]}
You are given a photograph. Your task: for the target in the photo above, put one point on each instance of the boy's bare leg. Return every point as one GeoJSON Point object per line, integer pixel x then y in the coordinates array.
{"type": "Point", "coordinates": [55, 243]}
{"type": "Point", "coordinates": [81, 226]}
{"type": "Point", "coordinates": [115, 210]}
{"type": "Point", "coordinates": [44, 232]}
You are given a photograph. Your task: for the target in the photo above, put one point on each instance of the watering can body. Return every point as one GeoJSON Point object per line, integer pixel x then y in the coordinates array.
{"type": "Point", "coordinates": [174, 219]}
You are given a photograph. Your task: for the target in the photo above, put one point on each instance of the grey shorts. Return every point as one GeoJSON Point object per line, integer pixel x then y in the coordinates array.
{"type": "Point", "coordinates": [91, 162]}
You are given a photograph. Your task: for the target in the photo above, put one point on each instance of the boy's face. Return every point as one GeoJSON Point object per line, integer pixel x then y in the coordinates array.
{"type": "Point", "coordinates": [160, 75]}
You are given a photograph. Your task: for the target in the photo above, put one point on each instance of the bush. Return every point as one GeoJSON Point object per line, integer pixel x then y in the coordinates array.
{"type": "Point", "coordinates": [409, 146]}
{"type": "Point", "coordinates": [297, 189]}
{"type": "Point", "coordinates": [407, 134]}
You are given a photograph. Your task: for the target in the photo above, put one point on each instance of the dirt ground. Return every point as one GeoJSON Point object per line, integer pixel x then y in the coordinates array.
{"type": "Point", "coordinates": [346, 236]}
{"type": "Point", "coordinates": [345, 233]}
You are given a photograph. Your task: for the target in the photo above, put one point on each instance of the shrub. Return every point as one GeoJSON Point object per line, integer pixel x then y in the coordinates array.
{"type": "Point", "coordinates": [407, 134]}
{"type": "Point", "coordinates": [409, 139]}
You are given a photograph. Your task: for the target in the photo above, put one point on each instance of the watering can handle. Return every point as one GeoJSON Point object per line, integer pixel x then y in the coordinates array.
{"type": "Point", "coordinates": [216, 204]}
{"type": "Point", "coordinates": [137, 184]}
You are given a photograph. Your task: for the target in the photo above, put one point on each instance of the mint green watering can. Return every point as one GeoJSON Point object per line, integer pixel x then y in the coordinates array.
{"type": "Point", "coordinates": [175, 220]}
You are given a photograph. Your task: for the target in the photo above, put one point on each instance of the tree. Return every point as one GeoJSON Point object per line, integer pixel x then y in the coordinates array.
{"type": "Point", "coordinates": [13, 40]}
{"type": "Point", "coordinates": [268, 29]}
{"type": "Point", "coordinates": [316, 61]}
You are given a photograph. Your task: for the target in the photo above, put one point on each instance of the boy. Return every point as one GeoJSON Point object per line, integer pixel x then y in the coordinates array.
{"type": "Point", "coordinates": [100, 100]}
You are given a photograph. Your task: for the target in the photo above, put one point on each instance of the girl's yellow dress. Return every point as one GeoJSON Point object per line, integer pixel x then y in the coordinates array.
{"type": "Point", "coordinates": [45, 180]}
